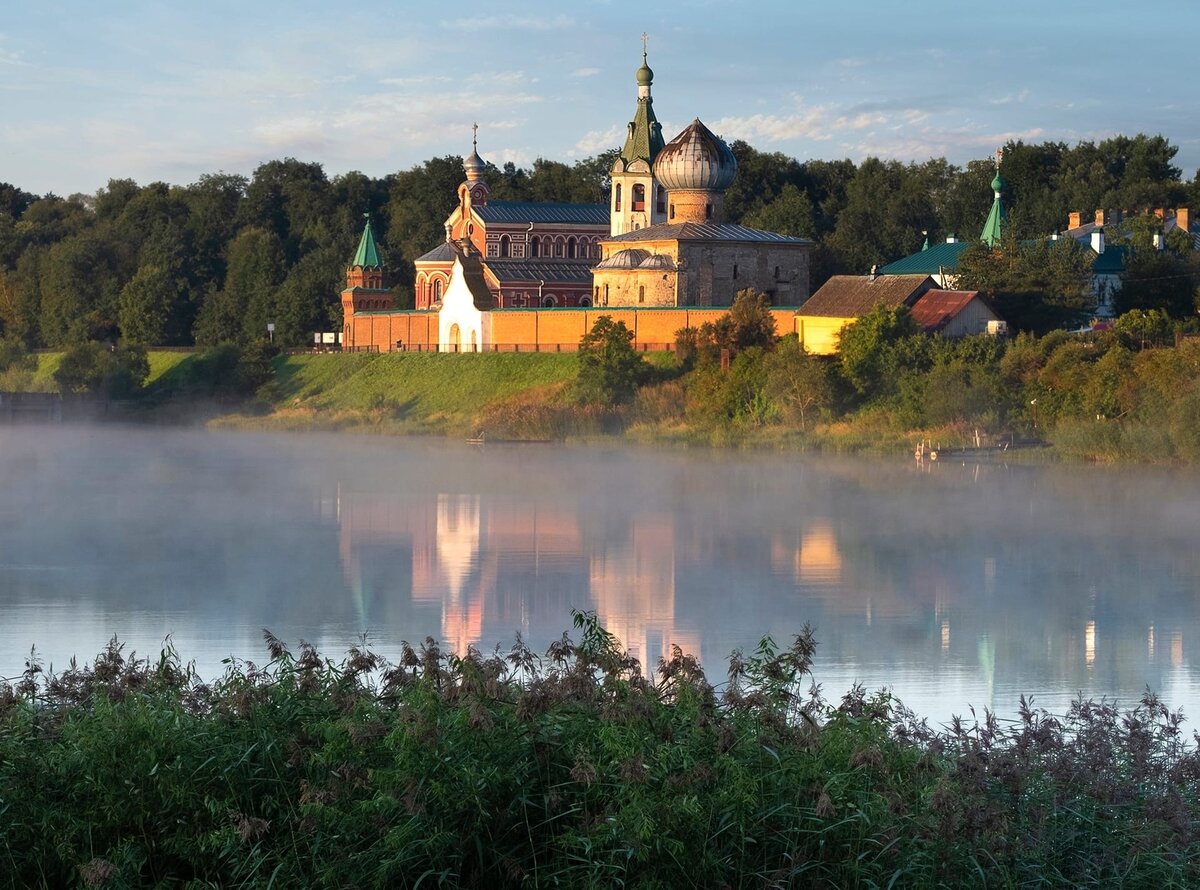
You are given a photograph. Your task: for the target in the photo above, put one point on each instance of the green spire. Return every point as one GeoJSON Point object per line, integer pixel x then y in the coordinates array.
{"type": "Point", "coordinates": [367, 256]}
{"type": "Point", "coordinates": [998, 217]}
{"type": "Point", "coordinates": [645, 140]}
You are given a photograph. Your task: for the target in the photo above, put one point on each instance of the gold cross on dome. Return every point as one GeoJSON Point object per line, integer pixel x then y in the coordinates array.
{"type": "Point", "coordinates": [999, 157]}
{"type": "Point", "coordinates": [645, 43]}
{"type": "Point", "coordinates": [474, 135]}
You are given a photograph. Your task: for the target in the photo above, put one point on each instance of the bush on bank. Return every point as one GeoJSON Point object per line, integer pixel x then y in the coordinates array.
{"type": "Point", "coordinates": [568, 769]}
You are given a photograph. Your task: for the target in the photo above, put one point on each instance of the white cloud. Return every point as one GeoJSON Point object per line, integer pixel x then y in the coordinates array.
{"type": "Point", "coordinates": [810, 124]}
{"type": "Point", "coordinates": [585, 72]}
{"type": "Point", "coordinates": [595, 141]}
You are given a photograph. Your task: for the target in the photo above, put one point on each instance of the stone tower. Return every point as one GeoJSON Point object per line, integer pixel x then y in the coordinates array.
{"type": "Point", "coordinates": [365, 291]}
{"type": "Point", "coordinates": [637, 200]}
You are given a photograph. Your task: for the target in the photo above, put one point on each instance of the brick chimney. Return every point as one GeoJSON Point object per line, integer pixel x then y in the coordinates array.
{"type": "Point", "coordinates": [1074, 220]}
{"type": "Point", "coordinates": [1099, 217]}
{"type": "Point", "coordinates": [1160, 212]}
{"type": "Point", "coordinates": [1182, 219]}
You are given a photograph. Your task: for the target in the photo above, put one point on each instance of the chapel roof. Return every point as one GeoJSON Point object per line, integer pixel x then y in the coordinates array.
{"type": "Point", "coordinates": [367, 255]}
{"type": "Point", "coordinates": [644, 140]}
{"type": "Point", "coordinates": [696, 159]}
{"type": "Point", "coordinates": [695, 231]}
{"type": "Point", "coordinates": [444, 252]}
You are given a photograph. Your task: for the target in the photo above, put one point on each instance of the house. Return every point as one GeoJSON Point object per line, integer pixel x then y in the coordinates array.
{"type": "Point", "coordinates": [956, 313]}
{"type": "Point", "coordinates": [845, 298]}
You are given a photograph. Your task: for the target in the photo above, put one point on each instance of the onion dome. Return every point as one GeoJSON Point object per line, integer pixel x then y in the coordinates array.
{"type": "Point", "coordinates": [998, 183]}
{"type": "Point", "coordinates": [695, 160]}
{"type": "Point", "coordinates": [645, 76]}
{"type": "Point", "coordinates": [630, 258]}
{"type": "Point", "coordinates": [474, 165]}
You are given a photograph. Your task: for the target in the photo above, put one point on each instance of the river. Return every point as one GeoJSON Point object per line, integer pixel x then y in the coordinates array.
{"type": "Point", "coordinates": [956, 584]}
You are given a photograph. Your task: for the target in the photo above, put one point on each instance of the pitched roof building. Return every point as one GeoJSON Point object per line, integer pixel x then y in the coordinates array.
{"type": "Point", "coordinates": [844, 298]}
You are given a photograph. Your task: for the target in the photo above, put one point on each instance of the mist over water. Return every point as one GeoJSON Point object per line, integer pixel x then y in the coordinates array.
{"type": "Point", "coordinates": [955, 584]}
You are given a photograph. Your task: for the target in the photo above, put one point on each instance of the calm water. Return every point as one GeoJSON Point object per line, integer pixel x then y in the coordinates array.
{"type": "Point", "coordinates": [955, 585]}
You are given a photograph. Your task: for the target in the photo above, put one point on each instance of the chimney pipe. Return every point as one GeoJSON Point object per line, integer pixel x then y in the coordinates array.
{"type": "Point", "coordinates": [874, 272]}
{"type": "Point", "coordinates": [1100, 217]}
{"type": "Point", "coordinates": [1182, 219]}
{"type": "Point", "coordinates": [1074, 219]}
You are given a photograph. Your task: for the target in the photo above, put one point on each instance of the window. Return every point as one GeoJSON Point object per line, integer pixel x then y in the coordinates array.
{"type": "Point", "coordinates": [549, 301]}
{"type": "Point", "coordinates": [735, 271]}
{"type": "Point", "coordinates": [505, 246]}
{"type": "Point", "coordinates": [585, 301]}
{"type": "Point", "coordinates": [535, 246]}
{"type": "Point", "coordinates": [641, 293]}
{"type": "Point", "coordinates": [558, 248]}
{"type": "Point", "coordinates": [660, 199]}
{"type": "Point", "coordinates": [606, 295]}
{"type": "Point", "coordinates": [708, 211]}
{"type": "Point", "coordinates": [617, 197]}
{"type": "Point", "coordinates": [597, 293]}
{"type": "Point", "coordinates": [638, 202]}
{"type": "Point", "coordinates": [437, 290]}
{"type": "Point", "coordinates": [571, 248]}
{"type": "Point", "coordinates": [776, 273]}
{"type": "Point", "coordinates": [672, 211]}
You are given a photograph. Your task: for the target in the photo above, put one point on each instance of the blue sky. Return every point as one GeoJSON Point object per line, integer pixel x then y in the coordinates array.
{"type": "Point", "coordinates": [172, 90]}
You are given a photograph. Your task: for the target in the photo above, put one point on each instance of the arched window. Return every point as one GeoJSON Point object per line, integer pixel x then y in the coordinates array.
{"type": "Point", "coordinates": [455, 338]}
{"type": "Point", "coordinates": [571, 248]}
{"type": "Point", "coordinates": [606, 295]}
{"type": "Point", "coordinates": [585, 301]}
{"type": "Point", "coordinates": [549, 301]}
{"type": "Point", "coordinates": [708, 211]}
{"type": "Point", "coordinates": [735, 271]}
{"type": "Point", "coordinates": [597, 293]}
{"type": "Point", "coordinates": [535, 246]}
{"type": "Point", "coordinates": [617, 197]}
{"type": "Point", "coordinates": [660, 199]}
{"type": "Point", "coordinates": [474, 342]}
{"type": "Point", "coordinates": [437, 289]}
{"type": "Point", "coordinates": [638, 198]}
{"type": "Point", "coordinates": [558, 247]}
{"type": "Point", "coordinates": [505, 245]}
{"type": "Point", "coordinates": [641, 293]}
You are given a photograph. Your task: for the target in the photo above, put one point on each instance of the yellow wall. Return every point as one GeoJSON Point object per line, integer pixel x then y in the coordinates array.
{"type": "Point", "coordinates": [819, 334]}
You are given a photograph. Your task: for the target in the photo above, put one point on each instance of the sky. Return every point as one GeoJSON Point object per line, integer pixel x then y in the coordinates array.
{"type": "Point", "coordinates": [171, 91]}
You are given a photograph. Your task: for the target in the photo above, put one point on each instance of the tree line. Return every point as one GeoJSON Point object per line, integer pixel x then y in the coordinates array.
{"type": "Point", "coordinates": [219, 259]}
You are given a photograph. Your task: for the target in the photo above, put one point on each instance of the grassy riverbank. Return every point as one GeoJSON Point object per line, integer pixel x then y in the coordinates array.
{"type": "Point", "coordinates": [568, 769]}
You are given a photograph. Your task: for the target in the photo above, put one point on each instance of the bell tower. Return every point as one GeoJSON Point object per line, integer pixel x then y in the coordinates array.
{"type": "Point", "coordinates": [637, 199]}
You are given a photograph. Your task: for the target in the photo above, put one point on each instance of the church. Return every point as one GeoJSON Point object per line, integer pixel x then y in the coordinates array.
{"type": "Point", "coordinates": [526, 276]}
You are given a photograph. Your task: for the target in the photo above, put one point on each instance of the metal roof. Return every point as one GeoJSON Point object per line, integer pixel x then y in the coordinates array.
{"type": "Point", "coordinates": [367, 255]}
{"type": "Point", "coordinates": [928, 262]}
{"type": "Point", "coordinates": [537, 212]}
{"type": "Point", "coordinates": [534, 271]}
{"type": "Point", "coordinates": [937, 308]}
{"type": "Point", "coordinates": [692, 231]}
{"type": "Point", "coordinates": [444, 252]}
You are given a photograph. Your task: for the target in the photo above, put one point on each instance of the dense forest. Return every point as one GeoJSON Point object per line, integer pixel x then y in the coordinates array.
{"type": "Point", "coordinates": [217, 260]}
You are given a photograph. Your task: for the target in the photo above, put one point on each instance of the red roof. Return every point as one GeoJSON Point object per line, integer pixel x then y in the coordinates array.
{"type": "Point", "coordinates": [937, 308]}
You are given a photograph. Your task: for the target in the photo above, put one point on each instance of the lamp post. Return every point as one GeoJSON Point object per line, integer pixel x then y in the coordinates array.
{"type": "Point", "coordinates": [1033, 405]}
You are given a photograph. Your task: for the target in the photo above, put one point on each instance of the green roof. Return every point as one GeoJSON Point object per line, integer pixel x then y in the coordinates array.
{"type": "Point", "coordinates": [367, 256]}
{"type": "Point", "coordinates": [645, 139]}
{"type": "Point", "coordinates": [928, 261]}
{"type": "Point", "coordinates": [997, 218]}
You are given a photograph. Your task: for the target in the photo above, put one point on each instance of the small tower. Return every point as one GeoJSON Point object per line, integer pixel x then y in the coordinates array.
{"type": "Point", "coordinates": [637, 199]}
{"type": "Point", "coordinates": [993, 229]}
{"type": "Point", "coordinates": [472, 192]}
{"type": "Point", "coordinates": [365, 291]}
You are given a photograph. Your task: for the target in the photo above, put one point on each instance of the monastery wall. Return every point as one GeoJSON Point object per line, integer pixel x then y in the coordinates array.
{"type": "Point", "coordinates": [537, 330]}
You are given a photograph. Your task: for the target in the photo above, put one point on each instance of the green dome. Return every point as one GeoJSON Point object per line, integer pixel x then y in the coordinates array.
{"type": "Point", "coordinates": [645, 76]}
{"type": "Point", "coordinates": [998, 183]}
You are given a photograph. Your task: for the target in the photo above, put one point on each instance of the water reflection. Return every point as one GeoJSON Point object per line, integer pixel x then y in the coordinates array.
{"type": "Point", "coordinates": [955, 584]}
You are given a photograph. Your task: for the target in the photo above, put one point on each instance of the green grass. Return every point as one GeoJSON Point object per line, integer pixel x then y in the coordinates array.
{"type": "Point", "coordinates": [424, 392]}
{"type": "Point", "coordinates": [572, 769]}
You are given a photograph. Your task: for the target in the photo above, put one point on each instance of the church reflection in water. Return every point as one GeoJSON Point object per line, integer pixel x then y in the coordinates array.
{"type": "Point", "coordinates": [915, 598]}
